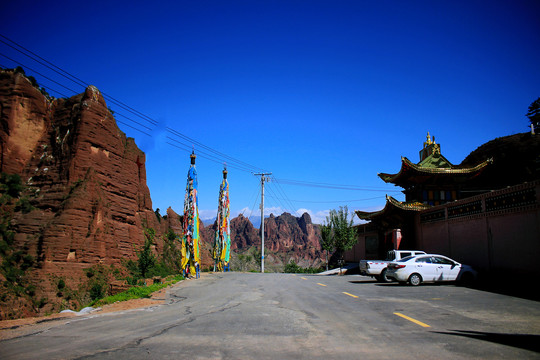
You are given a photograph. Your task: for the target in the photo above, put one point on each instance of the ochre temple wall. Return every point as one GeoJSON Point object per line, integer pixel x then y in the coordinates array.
{"type": "Point", "coordinates": [497, 232]}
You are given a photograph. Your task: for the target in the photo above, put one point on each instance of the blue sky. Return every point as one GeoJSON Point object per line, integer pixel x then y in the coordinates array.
{"type": "Point", "coordinates": [328, 92]}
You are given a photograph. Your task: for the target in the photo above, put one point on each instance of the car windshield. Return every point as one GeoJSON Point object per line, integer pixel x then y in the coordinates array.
{"type": "Point", "coordinates": [407, 258]}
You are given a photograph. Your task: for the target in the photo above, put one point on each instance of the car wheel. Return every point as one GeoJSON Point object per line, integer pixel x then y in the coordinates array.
{"type": "Point", "coordinates": [383, 278]}
{"type": "Point", "coordinates": [466, 279]}
{"type": "Point", "coordinates": [415, 279]}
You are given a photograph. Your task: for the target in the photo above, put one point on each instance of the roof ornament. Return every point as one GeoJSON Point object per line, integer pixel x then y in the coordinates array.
{"type": "Point", "coordinates": [428, 140]}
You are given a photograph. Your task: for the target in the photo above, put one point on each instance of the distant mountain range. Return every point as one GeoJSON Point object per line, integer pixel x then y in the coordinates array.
{"type": "Point", "coordinates": [255, 220]}
{"type": "Point", "coordinates": [286, 238]}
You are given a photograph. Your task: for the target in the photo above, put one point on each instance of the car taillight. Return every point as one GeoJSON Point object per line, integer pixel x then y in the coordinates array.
{"type": "Point", "coordinates": [397, 266]}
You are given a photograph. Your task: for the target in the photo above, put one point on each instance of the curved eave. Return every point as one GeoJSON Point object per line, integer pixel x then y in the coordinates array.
{"type": "Point", "coordinates": [409, 169]}
{"type": "Point", "coordinates": [392, 205]}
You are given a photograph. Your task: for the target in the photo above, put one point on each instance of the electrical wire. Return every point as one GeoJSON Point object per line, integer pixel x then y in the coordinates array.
{"type": "Point", "coordinates": [202, 154]}
{"type": "Point", "coordinates": [254, 203]}
{"type": "Point", "coordinates": [45, 77]}
{"type": "Point", "coordinates": [281, 205]}
{"type": "Point", "coordinates": [35, 57]}
{"type": "Point", "coordinates": [75, 92]}
{"type": "Point", "coordinates": [239, 163]}
{"type": "Point", "coordinates": [182, 141]}
{"type": "Point", "coordinates": [330, 186]}
{"type": "Point", "coordinates": [282, 192]}
{"type": "Point", "coordinates": [340, 201]}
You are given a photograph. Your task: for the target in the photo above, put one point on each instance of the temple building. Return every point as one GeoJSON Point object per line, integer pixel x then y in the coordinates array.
{"type": "Point", "coordinates": [432, 181]}
{"type": "Point", "coordinates": [484, 212]}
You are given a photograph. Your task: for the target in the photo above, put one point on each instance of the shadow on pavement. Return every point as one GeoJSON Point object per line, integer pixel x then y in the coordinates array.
{"type": "Point", "coordinates": [367, 281]}
{"type": "Point", "coordinates": [522, 341]}
{"type": "Point", "coordinates": [510, 288]}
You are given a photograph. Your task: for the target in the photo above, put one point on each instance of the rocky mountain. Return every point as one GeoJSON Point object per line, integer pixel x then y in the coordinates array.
{"type": "Point", "coordinates": [244, 236]}
{"type": "Point", "coordinates": [75, 206]}
{"type": "Point", "coordinates": [85, 184]}
{"type": "Point", "coordinates": [286, 238]}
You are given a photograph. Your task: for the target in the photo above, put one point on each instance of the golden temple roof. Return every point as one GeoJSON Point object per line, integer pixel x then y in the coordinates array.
{"type": "Point", "coordinates": [410, 169]}
{"type": "Point", "coordinates": [392, 205]}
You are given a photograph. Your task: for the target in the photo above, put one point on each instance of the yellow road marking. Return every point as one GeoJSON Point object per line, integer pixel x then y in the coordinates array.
{"type": "Point", "coordinates": [321, 284]}
{"type": "Point", "coordinates": [303, 278]}
{"type": "Point", "coordinates": [411, 319]}
{"type": "Point", "coordinates": [346, 293]}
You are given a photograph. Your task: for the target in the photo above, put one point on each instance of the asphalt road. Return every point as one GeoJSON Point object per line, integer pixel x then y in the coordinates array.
{"type": "Point", "coordinates": [286, 316]}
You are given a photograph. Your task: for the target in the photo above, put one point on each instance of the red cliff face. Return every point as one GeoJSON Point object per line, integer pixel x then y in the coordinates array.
{"type": "Point", "coordinates": [286, 238]}
{"type": "Point", "coordinates": [243, 234]}
{"type": "Point", "coordinates": [87, 181]}
{"type": "Point", "coordinates": [297, 237]}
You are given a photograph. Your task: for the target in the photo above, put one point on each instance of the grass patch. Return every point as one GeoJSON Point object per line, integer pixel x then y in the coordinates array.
{"type": "Point", "coordinates": [136, 292]}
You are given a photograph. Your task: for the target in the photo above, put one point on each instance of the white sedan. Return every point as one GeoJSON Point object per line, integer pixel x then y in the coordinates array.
{"type": "Point", "coordinates": [429, 268]}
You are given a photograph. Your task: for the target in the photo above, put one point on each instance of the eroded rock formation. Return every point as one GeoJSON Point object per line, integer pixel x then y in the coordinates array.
{"type": "Point", "coordinates": [89, 204]}
{"type": "Point", "coordinates": [286, 238]}
{"type": "Point", "coordinates": [85, 180]}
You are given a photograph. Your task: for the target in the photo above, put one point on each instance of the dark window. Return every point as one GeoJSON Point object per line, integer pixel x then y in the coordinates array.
{"type": "Point", "coordinates": [440, 260]}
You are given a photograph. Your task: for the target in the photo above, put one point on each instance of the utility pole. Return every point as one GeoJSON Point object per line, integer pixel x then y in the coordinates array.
{"type": "Point", "coordinates": [263, 179]}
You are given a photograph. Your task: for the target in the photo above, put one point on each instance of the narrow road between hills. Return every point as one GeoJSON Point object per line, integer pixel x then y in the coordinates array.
{"type": "Point", "coordinates": [294, 316]}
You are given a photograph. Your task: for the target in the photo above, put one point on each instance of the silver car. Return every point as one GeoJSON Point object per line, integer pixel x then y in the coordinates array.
{"type": "Point", "coordinates": [429, 268]}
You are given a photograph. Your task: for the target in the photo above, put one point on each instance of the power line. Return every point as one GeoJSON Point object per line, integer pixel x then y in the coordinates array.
{"type": "Point", "coordinates": [339, 201]}
{"type": "Point", "coordinates": [274, 196]}
{"type": "Point", "coordinates": [211, 153]}
{"type": "Point", "coordinates": [177, 139]}
{"type": "Point", "coordinates": [202, 154]}
{"type": "Point", "coordinates": [71, 77]}
{"type": "Point", "coordinates": [254, 203]}
{"type": "Point", "coordinates": [282, 192]}
{"type": "Point", "coordinates": [229, 159]}
{"type": "Point", "coordinates": [75, 92]}
{"type": "Point", "coordinates": [45, 77]}
{"type": "Point", "coordinates": [330, 186]}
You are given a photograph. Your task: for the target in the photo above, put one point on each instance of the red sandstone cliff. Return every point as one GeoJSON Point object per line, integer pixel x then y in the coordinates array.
{"type": "Point", "coordinates": [85, 180]}
{"type": "Point", "coordinates": [86, 183]}
{"type": "Point", "coordinates": [286, 238]}
{"type": "Point", "coordinates": [292, 238]}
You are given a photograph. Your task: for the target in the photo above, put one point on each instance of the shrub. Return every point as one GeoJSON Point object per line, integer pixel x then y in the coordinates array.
{"type": "Point", "coordinates": [61, 284]}
{"type": "Point", "coordinates": [292, 267]}
{"type": "Point", "coordinates": [96, 291]}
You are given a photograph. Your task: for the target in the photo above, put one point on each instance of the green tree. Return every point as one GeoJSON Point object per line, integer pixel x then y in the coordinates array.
{"type": "Point", "coordinates": [172, 256]}
{"type": "Point", "coordinates": [146, 258]}
{"type": "Point", "coordinates": [14, 262]}
{"type": "Point", "coordinates": [534, 114]}
{"type": "Point", "coordinates": [327, 240]}
{"type": "Point", "coordinates": [343, 232]}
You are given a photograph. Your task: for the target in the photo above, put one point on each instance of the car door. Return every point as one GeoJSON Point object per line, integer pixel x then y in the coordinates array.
{"type": "Point", "coordinates": [425, 267]}
{"type": "Point", "coordinates": [447, 270]}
